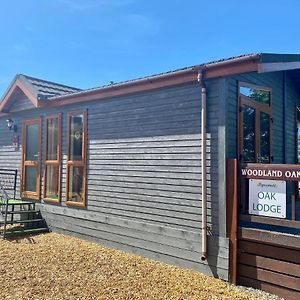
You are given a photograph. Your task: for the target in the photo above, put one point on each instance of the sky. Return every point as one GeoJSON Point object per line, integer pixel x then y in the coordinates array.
{"type": "Point", "coordinates": [88, 43]}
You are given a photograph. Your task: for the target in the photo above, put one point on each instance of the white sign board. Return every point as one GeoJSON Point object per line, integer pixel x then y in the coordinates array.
{"type": "Point", "coordinates": [267, 198]}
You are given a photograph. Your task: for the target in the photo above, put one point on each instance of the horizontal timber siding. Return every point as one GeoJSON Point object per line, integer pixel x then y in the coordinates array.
{"type": "Point", "coordinates": [265, 262]}
{"type": "Point", "coordinates": [20, 104]}
{"type": "Point", "coordinates": [144, 176]}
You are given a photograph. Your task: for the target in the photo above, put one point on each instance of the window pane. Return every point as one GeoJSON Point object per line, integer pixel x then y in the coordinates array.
{"type": "Point", "coordinates": [76, 140]}
{"type": "Point", "coordinates": [52, 178]}
{"type": "Point", "coordinates": [75, 184]}
{"type": "Point", "coordinates": [248, 134]}
{"type": "Point", "coordinates": [52, 140]}
{"type": "Point", "coordinates": [264, 137]}
{"type": "Point", "coordinates": [30, 179]}
{"type": "Point", "coordinates": [32, 142]}
{"type": "Point", "coordinates": [258, 95]}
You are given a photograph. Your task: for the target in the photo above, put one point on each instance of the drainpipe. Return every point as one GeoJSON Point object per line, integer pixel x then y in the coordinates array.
{"type": "Point", "coordinates": [203, 167]}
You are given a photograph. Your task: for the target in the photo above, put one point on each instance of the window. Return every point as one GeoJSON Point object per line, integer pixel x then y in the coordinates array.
{"type": "Point", "coordinates": [298, 136]}
{"type": "Point", "coordinates": [52, 158]}
{"type": "Point", "coordinates": [255, 123]}
{"type": "Point", "coordinates": [30, 184]}
{"type": "Point", "coordinates": [76, 159]}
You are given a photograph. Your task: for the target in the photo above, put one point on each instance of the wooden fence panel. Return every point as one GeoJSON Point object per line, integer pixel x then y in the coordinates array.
{"type": "Point", "coordinates": [269, 264]}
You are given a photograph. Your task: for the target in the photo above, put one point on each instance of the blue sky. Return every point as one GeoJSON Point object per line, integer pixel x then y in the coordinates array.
{"type": "Point", "coordinates": [88, 43]}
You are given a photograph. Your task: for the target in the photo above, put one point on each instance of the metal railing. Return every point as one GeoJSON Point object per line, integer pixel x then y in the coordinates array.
{"type": "Point", "coordinates": [8, 182]}
{"type": "Point", "coordinates": [4, 199]}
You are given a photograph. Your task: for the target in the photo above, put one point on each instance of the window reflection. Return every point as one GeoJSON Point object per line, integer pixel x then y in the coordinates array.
{"type": "Point", "coordinates": [52, 177]}
{"type": "Point", "coordinates": [76, 159]}
{"type": "Point", "coordinates": [32, 142]}
{"type": "Point", "coordinates": [75, 191]}
{"type": "Point", "coordinates": [248, 134]}
{"type": "Point", "coordinates": [76, 129]}
{"type": "Point", "coordinates": [52, 138]}
{"type": "Point", "coordinates": [31, 179]}
{"type": "Point", "coordinates": [52, 161]}
{"type": "Point", "coordinates": [264, 137]}
{"type": "Point", "coordinates": [257, 95]}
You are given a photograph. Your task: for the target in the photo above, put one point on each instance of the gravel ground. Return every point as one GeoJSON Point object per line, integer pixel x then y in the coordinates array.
{"type": "Point", "coordinates": [53, 266]}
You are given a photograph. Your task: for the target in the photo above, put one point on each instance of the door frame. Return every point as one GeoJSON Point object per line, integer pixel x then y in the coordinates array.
{"type": "Point", "coordinates": [28, 194]}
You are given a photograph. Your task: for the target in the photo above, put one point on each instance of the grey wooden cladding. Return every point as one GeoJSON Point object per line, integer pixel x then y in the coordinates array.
{"type": "Point", "coordinates": [144, 176]}
{"type": "Point", "coordinates": [141, 162]}
{"type": "Point", "coordinates": [147, 168]}
{"type": "Point", "coordinates": [145, 199]}
{"type": "Point", "coordinates": [155, 138]}
{"type": "Point", "coordinates": [162, 142]}
{"type": "Point", "coordinates": [166, 258]}
{"type": "Point", "coordinates": [160, 240]}
{"type": "Point", "coordinates": [146, 227]}
{"type": "Point", "coordinates": [20, 104]}
{"type": "Point", "coordinates": [167, 203]}
{"type": "Point", "coordinates": [150, 186]}
{"type": "Point", "coordinates": [177, 234]}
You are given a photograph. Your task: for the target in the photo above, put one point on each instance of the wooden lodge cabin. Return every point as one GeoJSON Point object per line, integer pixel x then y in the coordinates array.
{"type": "Point", "coordinates": [123, 165]}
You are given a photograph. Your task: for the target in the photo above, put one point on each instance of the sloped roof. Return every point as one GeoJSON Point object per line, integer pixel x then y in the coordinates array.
{"type": "Point", "coordinates": [34, 89]}
{"type": "Point", "coordinates": [47, 89]}
{"type": "Point", "coordinates": [171, 72]}
{"type": "Point", "coordinates": [45, 93]}
{"type": "Point", "coordinates": [264, 62]}
{"type": "Point", "coordinates": [263, 58]}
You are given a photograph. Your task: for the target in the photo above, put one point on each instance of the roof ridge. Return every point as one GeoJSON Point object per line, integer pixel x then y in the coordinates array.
{"type": "Point", "coordinates": [50, 82]}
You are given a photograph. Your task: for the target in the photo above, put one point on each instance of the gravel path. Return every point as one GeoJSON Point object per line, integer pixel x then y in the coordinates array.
{"type": "Point", "coordinates": [53, 266]}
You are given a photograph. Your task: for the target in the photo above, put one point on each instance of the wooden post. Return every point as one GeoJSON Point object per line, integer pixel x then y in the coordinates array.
{"type": "Point", "coordinates": [294, 197]}
{"type": "Point", "coordinates": [232, 216]}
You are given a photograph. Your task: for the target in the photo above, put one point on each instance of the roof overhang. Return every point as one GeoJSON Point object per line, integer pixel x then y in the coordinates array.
{"type": "Point", "coordinates": [260, 63]}
{"type": "Point", "coordinates": [278, 66]}
{"type": "Point", "coordinates": [239, 65]}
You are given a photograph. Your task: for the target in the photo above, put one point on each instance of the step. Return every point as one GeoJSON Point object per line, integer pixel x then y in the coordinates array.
{"type": "Point", "coordinates": [21, 221]}
{"type": "Point", "coordinates": [9, 233]}
{"type": "Point", "coordinates": [17, 202]}
{"type": "Point", "coordinates": [20, 211]}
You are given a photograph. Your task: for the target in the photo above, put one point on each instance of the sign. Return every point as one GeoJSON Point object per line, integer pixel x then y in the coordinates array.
{"type": "Point", "coordinates": [267, 198]}
{"type": "Point", "coordinates": [275, 172]}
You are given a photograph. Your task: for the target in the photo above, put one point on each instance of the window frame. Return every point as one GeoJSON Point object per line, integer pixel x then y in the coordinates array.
{"type": "Point", "coordinates": [77, 163]}
{"type": "Point", "coordinates": [259, 107]}
{"type": "Point", "coordinates": [297, 127]}
{"type": "Point", "coordinates": [29, 194]}
{"type": "Point", "coordinates": [57, 162]}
